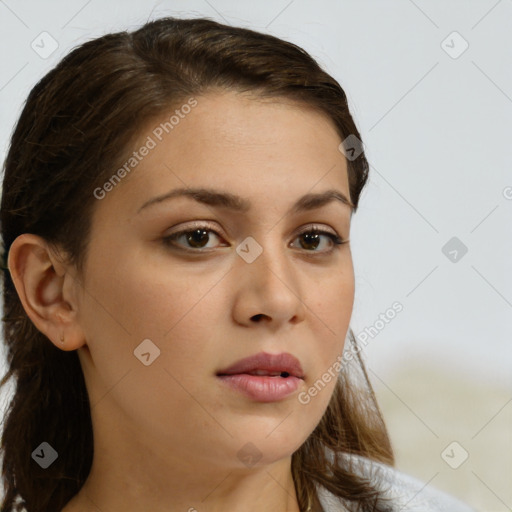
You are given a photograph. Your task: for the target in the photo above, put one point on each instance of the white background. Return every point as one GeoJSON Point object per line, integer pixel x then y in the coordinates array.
{"type": "Point", "coordinates": [436, 124]}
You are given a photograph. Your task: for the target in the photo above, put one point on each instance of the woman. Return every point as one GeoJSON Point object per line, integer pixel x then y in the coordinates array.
{"type": "Point", "coordinates": [176, 213]}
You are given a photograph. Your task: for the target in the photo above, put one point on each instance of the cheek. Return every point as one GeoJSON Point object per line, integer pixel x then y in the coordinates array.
{"type": "Point", "coordinates": [330, 316]}
{"type": "Point", "coordinates": [334, 314]}
{"type": "Point", "coordinates": [149, 301]}
{"type": "Point", "coordinates": [129, 302]}
{"type": "Point", "coordinates": [175, 310]}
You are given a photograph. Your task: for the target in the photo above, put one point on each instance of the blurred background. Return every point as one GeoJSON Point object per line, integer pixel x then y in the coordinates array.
{"type": "Point", "coordinates": [430, 86]}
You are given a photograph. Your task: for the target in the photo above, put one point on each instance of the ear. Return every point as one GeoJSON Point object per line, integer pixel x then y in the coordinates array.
{"type": "Point", "coordinates": [48, 290]}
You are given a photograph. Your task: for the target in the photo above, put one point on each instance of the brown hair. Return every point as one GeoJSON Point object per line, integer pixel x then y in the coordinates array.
{"type": "Point", "coordinates": [78, 122]}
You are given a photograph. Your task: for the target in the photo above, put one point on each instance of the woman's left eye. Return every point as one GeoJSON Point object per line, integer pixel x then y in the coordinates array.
{"type": "Point", "coordinates": [312, 237]}
{"type": "Point", "coordinates": [197, 239]}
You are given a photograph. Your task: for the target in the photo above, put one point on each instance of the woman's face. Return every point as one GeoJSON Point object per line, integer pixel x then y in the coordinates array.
{"type": "Point", "coordinates": [249, 283]}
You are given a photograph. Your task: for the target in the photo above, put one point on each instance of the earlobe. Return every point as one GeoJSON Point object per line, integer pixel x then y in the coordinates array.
{"type": "Point", "coordinates": [41, 280]}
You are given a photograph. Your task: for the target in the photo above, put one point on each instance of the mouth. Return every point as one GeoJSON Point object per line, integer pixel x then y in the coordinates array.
{"type": "Point", "coordinates": [258, 373]}
{"type": "Point", "coordinates": [264, 377]}
{"type": "Point", "coordinates": [282, 365]}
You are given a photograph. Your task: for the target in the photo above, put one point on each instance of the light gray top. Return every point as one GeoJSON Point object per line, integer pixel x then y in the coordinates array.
{"type": "Point", "coordinates": [407, 494]}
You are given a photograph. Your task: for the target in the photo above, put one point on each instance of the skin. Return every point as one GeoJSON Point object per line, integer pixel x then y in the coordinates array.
{"type": "Point", "coordinates": [167, 435]}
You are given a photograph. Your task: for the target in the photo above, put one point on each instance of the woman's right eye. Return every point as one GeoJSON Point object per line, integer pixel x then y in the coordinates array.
{"type": "Point", "coordinates": [192, 239]}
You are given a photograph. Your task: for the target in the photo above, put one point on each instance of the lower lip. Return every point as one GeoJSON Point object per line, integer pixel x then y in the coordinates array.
{"type": "Point", "coordinates": [262, 388]}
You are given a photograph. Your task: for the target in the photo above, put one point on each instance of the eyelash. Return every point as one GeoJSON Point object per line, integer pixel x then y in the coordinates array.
{"type": "Point", "coordinates": [311, 230]}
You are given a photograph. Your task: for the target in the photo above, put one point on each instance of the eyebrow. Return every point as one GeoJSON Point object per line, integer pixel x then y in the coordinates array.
{"type": "Point", "coordinates": [236, 203]}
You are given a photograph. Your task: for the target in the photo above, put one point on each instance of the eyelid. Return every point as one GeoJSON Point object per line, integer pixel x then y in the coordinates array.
{"type": "Point", "coordinates": [197, 224]}
{"type": "Point", "coordinates": [316, 227]}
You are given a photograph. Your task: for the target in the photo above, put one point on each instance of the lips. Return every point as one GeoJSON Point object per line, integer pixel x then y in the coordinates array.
{"type": "Point", "coordinates": [273, 365]}
{"type": "Point", "coordinates": [264, 377]}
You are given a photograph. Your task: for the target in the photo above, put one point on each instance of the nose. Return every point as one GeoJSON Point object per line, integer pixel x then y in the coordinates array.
{"type": "Point", "coordinates": [268, 290]}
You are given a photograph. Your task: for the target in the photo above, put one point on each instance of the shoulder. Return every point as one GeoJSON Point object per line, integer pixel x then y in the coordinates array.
{"type": "Point", "coordinates": [406, 493]}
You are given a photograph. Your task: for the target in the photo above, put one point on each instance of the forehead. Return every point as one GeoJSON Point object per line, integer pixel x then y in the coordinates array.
{"type": "Point", "coordinates": [239, 143]}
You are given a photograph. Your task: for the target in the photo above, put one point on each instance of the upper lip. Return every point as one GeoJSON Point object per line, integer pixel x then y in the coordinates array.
{"type": "Point", "coordinates": [283, 362]}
